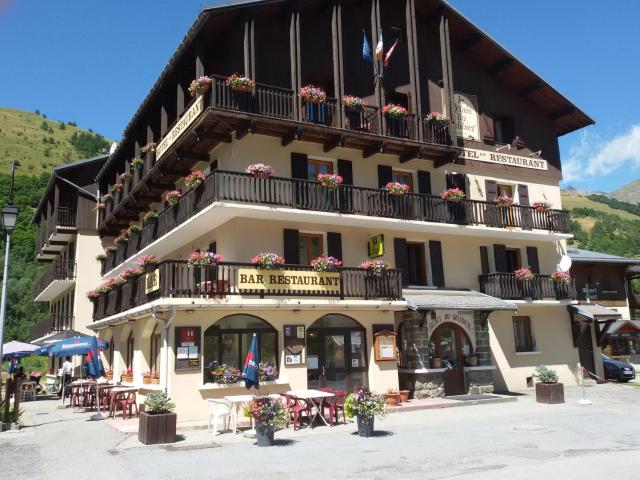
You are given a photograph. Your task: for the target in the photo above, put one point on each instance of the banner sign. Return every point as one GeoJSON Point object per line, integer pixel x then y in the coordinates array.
{"type": "Point", "coordinates": [185, 122]}
{"type": "Point", "coordinates": [152, 281]}
{"type": "Point", "coordinates": [503, 159]}
{"type": "Point", "coordinates": [376, 246]}
{"type": "Point", "coordinates": [467, 122]}
{"type": "Point", "coordinates": [288, 280]}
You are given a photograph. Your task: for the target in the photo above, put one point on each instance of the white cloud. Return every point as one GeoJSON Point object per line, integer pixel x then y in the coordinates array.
{"type": "Point", "coordinates": [592, 157]}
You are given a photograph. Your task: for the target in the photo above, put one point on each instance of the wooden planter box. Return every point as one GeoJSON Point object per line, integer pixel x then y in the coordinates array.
{"type": "Point", "coordinates": [549, 393]}
{"type": "Point", "coordinates": [154, 429]}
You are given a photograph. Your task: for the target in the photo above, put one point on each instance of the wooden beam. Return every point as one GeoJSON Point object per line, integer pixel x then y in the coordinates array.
{"type": "Point", "coordinates": [338, 141]}
{"type": "Point", "coordinates": [441, 162]}
{"type": "Point", "coordinates": [563, 113]}
{"type": "Point", "coordinates": [191, 156]}
{"type": "Point", "coordinates": [415, 153]}
{"type": "Point", "coordinates": [216, 137]}
{"type": "Point", "coordinates": [294, 134]}
{"type": "Point", "coordinates": [378, 148]}
{"type": "Point", "coordinates": [501, 65]}
{"type": "Point", "coordinates": [248, 127]}
{"type": "Point", "coordinates": [526, 91]}
{"type": "Point", "coordinates": [173, 172]}
{"type": "Point", "coordinates": [470, 41]}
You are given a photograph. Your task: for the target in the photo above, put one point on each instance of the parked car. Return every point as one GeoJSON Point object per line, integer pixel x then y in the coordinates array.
{"type": "Point", "coordinates": [617, 370]}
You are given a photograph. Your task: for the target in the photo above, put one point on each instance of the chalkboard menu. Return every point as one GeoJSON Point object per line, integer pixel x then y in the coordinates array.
{"type": "Point", "coordinates": [187, 348]}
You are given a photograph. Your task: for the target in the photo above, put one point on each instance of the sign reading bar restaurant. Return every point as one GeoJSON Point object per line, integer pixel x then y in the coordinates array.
{"type": "Point", "coordinates": [185, 122]}
{"type": "Point", "coordinates": [467, 123]}
{"type": "Point", "coordinates": [152, 281]}
{"type": "Point", "coordinates": [288, 280]}
{"type": "Point", "coordinates": [503, 159]}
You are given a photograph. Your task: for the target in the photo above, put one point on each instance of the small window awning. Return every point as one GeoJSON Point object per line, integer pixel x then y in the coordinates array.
{"type": "Point", "coordinates": [595, 312]}
{"type": "Point", "coordinates": [418, 299]}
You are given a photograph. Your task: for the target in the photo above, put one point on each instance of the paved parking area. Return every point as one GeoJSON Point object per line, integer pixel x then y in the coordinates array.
{"type": "Point", "coordinates": [515, 440]}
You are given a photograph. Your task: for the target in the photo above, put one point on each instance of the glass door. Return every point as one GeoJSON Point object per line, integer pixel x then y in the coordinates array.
{"type": "Point", "coordinates": [335, 361]}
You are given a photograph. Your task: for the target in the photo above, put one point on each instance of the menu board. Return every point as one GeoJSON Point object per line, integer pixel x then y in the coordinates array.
{"type": "Point", "coordinates": [385, 346]}
{"type": "Point", "coordinates": [187, 348]}
{"type": "Point", "coordinates": [294, 338]}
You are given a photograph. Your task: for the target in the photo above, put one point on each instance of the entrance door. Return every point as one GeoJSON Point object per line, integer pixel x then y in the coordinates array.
{"type": "Point", "coordinates": [585, 347]}
{"type": "Point", "coordinates": [450, 344]}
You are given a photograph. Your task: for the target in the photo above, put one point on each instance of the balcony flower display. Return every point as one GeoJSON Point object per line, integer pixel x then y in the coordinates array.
{"type": "Point", "coordinates": [155, 378]}
{"type": "Point", "coordinates": [194, 179]}
{"type": "Point", "coordinates": [269, 415]}
{"type": "Point", "coordinates": [375, 267]}
{"type": "Point", "coordinates": [121, 239]}
{"type": "Point", "coordinates": [133, 229]}
{"type": "Point", "coordinates": [100, 257]}
{"type": "Point", "coordinates": [365, 406]}
{"type": "Point", "coordinates": [312, 94]}
{"type": "Point", "coordinates": [172, 197]}
{"type": "Point", "coordinates": [147, 260]}
{"type": "Point", "coordinates": [267, 260]}
{"type": "Point", "coordinates": [354, 104]}
{"type": "Point", "coordinates": [115, 188]}
{"type": "Point", "coordinates": [107, 198]}
{"type": "Point", "coordinates": [137, 163]}
{"type": "Point", "coordinates": [453, 195]}
{"type": "Point", "coordinates": [150, 217]}
{"type": "Point", "coordinates": [437, 118]}
{"type": "Point", "coordinates": [93, 295]}
{"type": "Point", "coordinates": [240, 83]}
{"type": "Point", "coordinates": [504, 201]}
{"type": "Point", "coordinates": [260, 170]}
{"type": "Point", "coordinates": [325, 264]}
{"type": "Point", "coordinates": [541, 206]}
{"type": "Point", "coordinates": [149, 148]}
{"type": "Point", "coordinates": [204, 259]}
{"type": "Point", "coordinates": [126, 375]}
{"type": "Point", "coordinates": [524, 274]}
{"type": "Point", "coordinates": [108, 374]}
{"type": "Point", "coordinates": [396, 188]}
{"type": "Point", "coordinates": [330, 180]}
{"type": "Point", "coordinates": [100, 206]}
{"type": "Point", "coordinates": [391, 110]}
{"type": "Point", "coordinates": [561, 277]}
{"type": "Point", "coordinates": [225, 375]}
{"type": "Point", "coordinates": [199, 85]}
{"type": "Point", "coordinates": [130, 273]}
{"type": "Point", "coordinates": [267, 372]}
{"type": "Point", "coordinates": [124, 176]}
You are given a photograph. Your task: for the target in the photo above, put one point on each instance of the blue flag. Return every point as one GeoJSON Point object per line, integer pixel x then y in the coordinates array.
{"type": "Point", "coordinates": [251, 370]}
{"type": "Point", "coordinates": [94, 364]}
{"type": "Point", "coordinates": [366, 48]}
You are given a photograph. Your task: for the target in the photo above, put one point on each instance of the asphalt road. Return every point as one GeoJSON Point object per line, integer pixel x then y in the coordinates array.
{"type": "Point", "coordinates": [516, 440]}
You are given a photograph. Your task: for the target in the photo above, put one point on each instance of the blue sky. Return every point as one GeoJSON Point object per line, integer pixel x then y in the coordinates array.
{"type": "Point", "coordinates": [92, 62]}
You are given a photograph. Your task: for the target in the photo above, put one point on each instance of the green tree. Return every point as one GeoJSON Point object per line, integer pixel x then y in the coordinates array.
{"type": "Point", "coordinates": [88, 144]}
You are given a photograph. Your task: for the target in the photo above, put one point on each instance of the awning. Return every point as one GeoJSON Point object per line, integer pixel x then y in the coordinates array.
{"type": "Point", "coordinates": [601, 317]}
{"type": "Point", "coordinates": [595, 312]}
{"type": "Point", "coordinates": [427, 299]}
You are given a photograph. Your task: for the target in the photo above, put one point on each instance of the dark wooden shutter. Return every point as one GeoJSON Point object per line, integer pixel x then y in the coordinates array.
{"type": "Point", "coordinates": [213, 247]}
{"type": "Point", "coordinates": [345, 170]}
{"type": "Point", "coordinates": [500, 258]}
{"type": "Point", "coordinates": [490, 190]}
{"type": "Point", "coordinates": [299, 166]}
{"type": "Point", "coordinates": [424, 182]}
{"type": "Point", "coordinates": [487, 128]}
{"type": "Point", "coordinates": [402, 258]}
{"type": "Point", "coordinates": [532, 259]}
{"type": "Point", "coordinates": [291, 246]}
{"type": "Point", "coordinates": [334, 245]}
{"type": "Point", "coordinates": [484, 260]}
{"type": "Point", "coordinates": [385, 175]}
{"type": "Point", "coordinates": [437, 266]}
{"type": "Point", "coordinates": [491, 210]}
{"type": "Point", "coordinates": [523, 195]}
{"type": "Point", "coordinates": [527, 213]}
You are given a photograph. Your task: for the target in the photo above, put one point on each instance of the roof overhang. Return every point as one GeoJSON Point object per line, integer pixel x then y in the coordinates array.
{"type": "Point", "coordinates": [432, 299]}
{"type": "Point", "coordinates": [595, 312]}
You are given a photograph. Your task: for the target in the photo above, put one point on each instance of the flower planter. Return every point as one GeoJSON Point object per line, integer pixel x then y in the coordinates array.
{"type": "Point", "coordinates": [108, 376]}
{"type": "Point", "coordinates": [404, 395]}
{"type": "Point", "coordinates": [126, 378]}
{"type": "Point", "coordinates": [392, 398]}
{"type": "Point", "coordinates": [242, 88]}
{"type": "Point", "coordinates": [365, 426]}
{"type": "Point", "coordinates": [472, 360]}
{"type": "Point", "coordinates": [146, 380]}
{"type": "Point", "coordinates": [549, 392]}
{"type": "Point", "coordinates": [155, 381]}
{"type": "Point", "coordinates": [158, 428]}
{"type": "Point", "coordinates": [436, 362]}
{"type": "Point", "coordinates": [264, 436]}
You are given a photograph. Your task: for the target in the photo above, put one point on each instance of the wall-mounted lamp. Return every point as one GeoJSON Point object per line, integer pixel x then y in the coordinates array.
{"type": "Point", "coordinates": [538, 153]}
{"type": "Point", "coordinates": [507, 146]}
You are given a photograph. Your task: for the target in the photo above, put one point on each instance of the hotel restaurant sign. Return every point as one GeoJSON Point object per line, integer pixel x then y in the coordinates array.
{"type": "Point", "coordinates": [288, 280]}
{"type": "Point", "coordinates": [178, 129]}
{"type": "Point", "coordinates": [503, 159]}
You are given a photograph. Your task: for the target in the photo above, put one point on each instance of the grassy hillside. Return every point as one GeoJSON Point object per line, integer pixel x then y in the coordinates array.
{"type": "Point", "coordinates": [40, 143]}
{"type": "Point", "coordinates": [629, 193]}
{"type": "Point", "coordinates": [571, 200]}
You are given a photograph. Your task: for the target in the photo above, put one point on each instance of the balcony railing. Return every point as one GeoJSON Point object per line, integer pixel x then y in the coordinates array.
{"type": "Point", "coordinates": [346, 199]}
{"type": "Point", "coordinates": [507, 287]}
{"type": "Point", "coordinates": [53, 323]}
{"type": "Point", "coordinates": [60, 270]}
{"type": "Point", "coordinates": [179, 279]}
{"type": "Point", "coordinates": [634, 300]}
{"type": "Point", "coordinates": [62, 217]}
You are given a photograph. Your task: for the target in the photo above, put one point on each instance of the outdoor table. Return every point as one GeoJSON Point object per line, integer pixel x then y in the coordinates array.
{"type": "Point", "coordinates": [236, 402]}
{"type": "Point", "coordinates": [115, 391]}
{"type": "Point", "coordinates": [315, 398]}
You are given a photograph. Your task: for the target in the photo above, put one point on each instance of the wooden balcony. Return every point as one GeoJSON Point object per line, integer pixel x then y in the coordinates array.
{"type": "Point", "coordinates": [53, 323]}
{"type": "Point", "coordinates": [54, 281]}
{"type": "Point", "coordinates": [54, 232]}
{"type": "Point", "coordinates": [542, 287]}
{"type": "Point", "coordinates": [181, 280]}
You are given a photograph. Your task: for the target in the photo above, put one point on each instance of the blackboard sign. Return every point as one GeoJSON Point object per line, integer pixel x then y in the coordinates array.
{"type": "Point", "coordinates": [187, 348]}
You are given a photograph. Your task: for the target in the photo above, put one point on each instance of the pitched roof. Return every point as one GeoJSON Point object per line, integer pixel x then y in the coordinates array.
{"type": "Point", "coordinates": [586, 256]}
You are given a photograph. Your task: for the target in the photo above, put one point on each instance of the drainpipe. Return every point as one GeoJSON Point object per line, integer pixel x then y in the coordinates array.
{"type": "Point", "coordinates": [164, 380]}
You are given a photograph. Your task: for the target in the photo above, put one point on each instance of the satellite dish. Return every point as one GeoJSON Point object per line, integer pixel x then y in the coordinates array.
{"type": "Point", "coordinates": [565, 263]}
{"type": "Point", "coordinates": [114, 145]}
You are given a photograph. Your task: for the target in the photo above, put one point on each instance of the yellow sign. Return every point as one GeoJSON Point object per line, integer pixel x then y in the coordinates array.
{"type": "Point", "coordinates": [152, 281]}
{"type": "Point", "coordinates": [178, 129]}
{"type": "Point", "coordinates": [288, 280]}
{"type": "Point", "coordinates": [376, 246]}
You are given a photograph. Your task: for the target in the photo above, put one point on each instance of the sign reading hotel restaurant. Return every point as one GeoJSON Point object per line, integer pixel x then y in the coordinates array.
{"type": "Point", "coordinates": [185, 122]}
{"type": "Point", "coordinates": [288, 280]}
{"type": "Point", "coordinates": [503, 159]}
{"type": "Point", "coordinates": [152, 281]}
{"type": "Point", "coordinates": [467, 122]}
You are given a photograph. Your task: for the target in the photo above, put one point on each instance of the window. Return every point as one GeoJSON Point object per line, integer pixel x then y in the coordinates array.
{"type": "Point", "coordinates": [505, 190]}
{"type": "Point", "coordinates": [309, 247]}
{"type": "Point", "coordinates": [129, 359]}
{"type": "Point", "coordinates": [417, 264]}
{"type": "Point", "coordinates": [505, 129]}
{"type": "Point", "coordinates": [228, 341]}
{"type": "Point", "coordinates": [514, 261]}
{"type": "Point", "coordinates": [523, 334]}
{"type": "Point", "coordinates": [403, 177]}
{"type": "Point", "coordinates": [154, 354]}
{"type": "Point", "coordinates": [316, 167]}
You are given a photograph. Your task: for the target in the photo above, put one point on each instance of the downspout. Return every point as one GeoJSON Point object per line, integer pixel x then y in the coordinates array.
{"type": "Point", "coordinates": [164, 381]}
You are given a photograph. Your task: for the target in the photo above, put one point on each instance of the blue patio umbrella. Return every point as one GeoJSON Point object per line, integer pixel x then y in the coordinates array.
{"type": "Point", "coordinates": [251, 370]}
{"type": "Point", "coordinates": [94, 364]}
{"type": "Point", "coordinates": [73, 346]}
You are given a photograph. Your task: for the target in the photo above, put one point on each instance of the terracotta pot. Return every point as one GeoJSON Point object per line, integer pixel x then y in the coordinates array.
{"type": "Point", "coordinates": [392, 398]}
{"type": "Point", "coordinates": [472, 360]}
{"type": "Point", "coordinates": [146, 380]}
{"type": "Point", "coordinates": [404, 395]}
{"type": "Point", "coordinates": [126, 378]}
{"type": "Point", "coordinates": [436, 362]}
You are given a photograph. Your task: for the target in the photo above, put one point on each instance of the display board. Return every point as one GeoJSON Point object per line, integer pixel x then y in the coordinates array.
{"type": "Point", "coordinates": [294, 339]}
{"type": "Point", "coordinates": [187, 348]}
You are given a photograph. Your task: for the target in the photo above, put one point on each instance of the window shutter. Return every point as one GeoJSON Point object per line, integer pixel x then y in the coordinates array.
{"type": "Point", "coordinates": [523, 199]}
{"type": "Point", "coordinates": [523, 195]}
{"type": "Point", "coordinates": [532, 259]}
{"type": "Point", "coordinates": [402, 258]}
{"type": "Point", "coordinates": [437, 266]}
{"type": "Point", "coordinates": [345, 170]}
{"type": "Point", "coordinates": [291, 246]}
{"type": "Point", "coordinates": [385, 175]}
{"type": "Point", "coordinates": [299, 166]}
{"type": "Point", "coordinates": [500, 258]}
{"type": "Point", "coordinates": [484, 260]}
{"type": "Point", "coordinates": [213, 247]}
{"type": "Point", "coordinates": [487, 128]}
{"type": "Point", "coordinates": [424, 182]}
{"type": "Point", "coordinates": [490, 190]}
{"type": "Point", "coordinates": [334, 245]}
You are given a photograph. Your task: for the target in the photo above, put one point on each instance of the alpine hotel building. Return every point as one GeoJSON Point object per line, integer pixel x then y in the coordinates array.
{"type": "Point", "coordinates": [449, 315]}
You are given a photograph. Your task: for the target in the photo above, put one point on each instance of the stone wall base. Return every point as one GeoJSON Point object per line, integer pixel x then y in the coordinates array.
{"type": "Point", "coordinates": [431, 385]}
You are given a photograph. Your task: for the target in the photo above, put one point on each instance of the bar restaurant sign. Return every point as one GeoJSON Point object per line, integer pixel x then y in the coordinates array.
{"type": "Point", "coordinates": [288, 280]}
{"type": "Point", "coordinates": [178, 129]}
{"type": "Point", "coordinates": [503, 159]}
{"type": "Point", "coordinates": [152, 281]}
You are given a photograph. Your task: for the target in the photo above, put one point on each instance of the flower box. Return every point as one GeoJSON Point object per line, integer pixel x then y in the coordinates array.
{"type": "Point", "coordinates": [157, 428]}
{"type": "Point", "coordinates": [312, 94]}
{"type": "Point", "coordinates": [240, 83]}
{"type": "Point", "coordinates": [330, 180]}
{"type": "Point", "coordinates": [260, 170]}
{"type": "Point", "coordinates": [392, 110]}
{"type": "Point", "coordinates": [199, 86]}
{"type": "Point", "coordinates": [126, 378]}
{"type": "Point", "coordinates": [396, 188]}
{"type": "Point", "coordinates": [549, 393]}
{"type": "Point", "coordinates": [453, 195]}
{"type": "Point", "coordinates": [146, 380]}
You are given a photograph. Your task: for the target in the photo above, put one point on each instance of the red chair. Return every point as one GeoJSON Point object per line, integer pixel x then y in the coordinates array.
{"type": "Point", "coordinates": [127, 405]}
{"type": "Point", "coordinates": [335, 406]}
{"type": "Point", "coordinates": [298, 406]}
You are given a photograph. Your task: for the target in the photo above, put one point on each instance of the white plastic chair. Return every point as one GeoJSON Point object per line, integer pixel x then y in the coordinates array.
{"type": "Point", "coordinates": [218, 408]}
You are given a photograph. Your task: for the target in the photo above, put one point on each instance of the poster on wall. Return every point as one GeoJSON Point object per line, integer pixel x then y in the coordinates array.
{"type": "Point", "coordinates": [187, 348]}
{"type": "Point", "coordinates": [467, 122]}
{"type": "Point", "coordinates": [294, 337]}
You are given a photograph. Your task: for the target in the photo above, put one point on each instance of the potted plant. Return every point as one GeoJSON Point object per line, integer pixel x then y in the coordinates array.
{"type": "Point", "coordinates": [330, 180]}
{"type": "Point", "coordinates": [137, 164]}
{"type": "Point", "coordinates": [101, 257]}
{"type": "Point", "coordinates": [148, 262]}
{"type": "Point", "coordinates": [541, 206]}
{"type": "Point", "coordinates": [365, 406]}
{"type": "Point", "coordinates": [125, 176]}
{"type": "Point", "coordinates": [130, 274]}
{"type": "Point", "coordinates": [204, 259]}
{"type": "Point", "coordinates": [155, 378]}
{"type": "Point", "coordinates": [393, 111]}
{"type": "Point", "coordinates": [172, 197]}
{"type": "Point", "coordinates": [353, 108]}
{"type": "Point", "coordinates": [225, 375]}
{"type": "Point", "coordinates": [269, 415]}
{"type": "Point", "coordinates": [504, 201]}
{"type": "Point", "coordinates": [548, 390]}
{"type": "Point", "coordinates": [121, 239]}
{"type": "Point", "coordinates": [150, 217]}
{"type": "Point", "coordinates": [325, 264]}
{"type": "Point", "coordinates": [149, 148]}
{"type": "Point", "coordinates": [392, 397]}
{"type": "Point", "coordinates": [93, 295]}
{"type": "Point", "coordinates": [313, 94]}
{"type": "Point", "coordinates": [157, 421]}
{"type": "Point", "coordinates": [260, 170]}
{"type": "Point", "coordinates": [194, 179]}
{"type": "Point", "coordinates": [146, 378]}
{"type": "Point", "coordinates": [107, 198]}
{"type": "Point", "coordinates": [199, 86]}
{"type": "Point", "coordinates": [561, 277]}
{"type": "Point", "coordinates": [267, 260]}
{"type": "Point", "coordinates": [314, 107]}
{"type": "Point", "coordinates": [437, 118]}
{"type": "Point", "coordinates": [375, 267]}
{"type": "Point", "coordinates": [267, 372]}
{"type": "Point", "coordinates": [454, 195]}
{"type": "Point", "coordinates": [524, 274]}
{"type": "Point", "coordinates": [127, 376]}
{"type": "Point", "coordinates": [396, 188]}
{"type": "Point", "coordinates": [240, 83]}
{"type": "Point", "coordinates": [404, 395]}
{"type": "Point", "coordinates": [134, 229]}
{"type": "Point", "coordinates": [108, 374]}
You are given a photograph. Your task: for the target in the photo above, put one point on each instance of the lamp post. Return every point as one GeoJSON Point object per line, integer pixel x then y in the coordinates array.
{"type": "Point", "coordinates": [9, 220]}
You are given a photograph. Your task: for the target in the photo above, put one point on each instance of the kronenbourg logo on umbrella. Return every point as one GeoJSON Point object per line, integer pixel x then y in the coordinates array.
{"type": "Point", "coordinates": [67, 346]}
